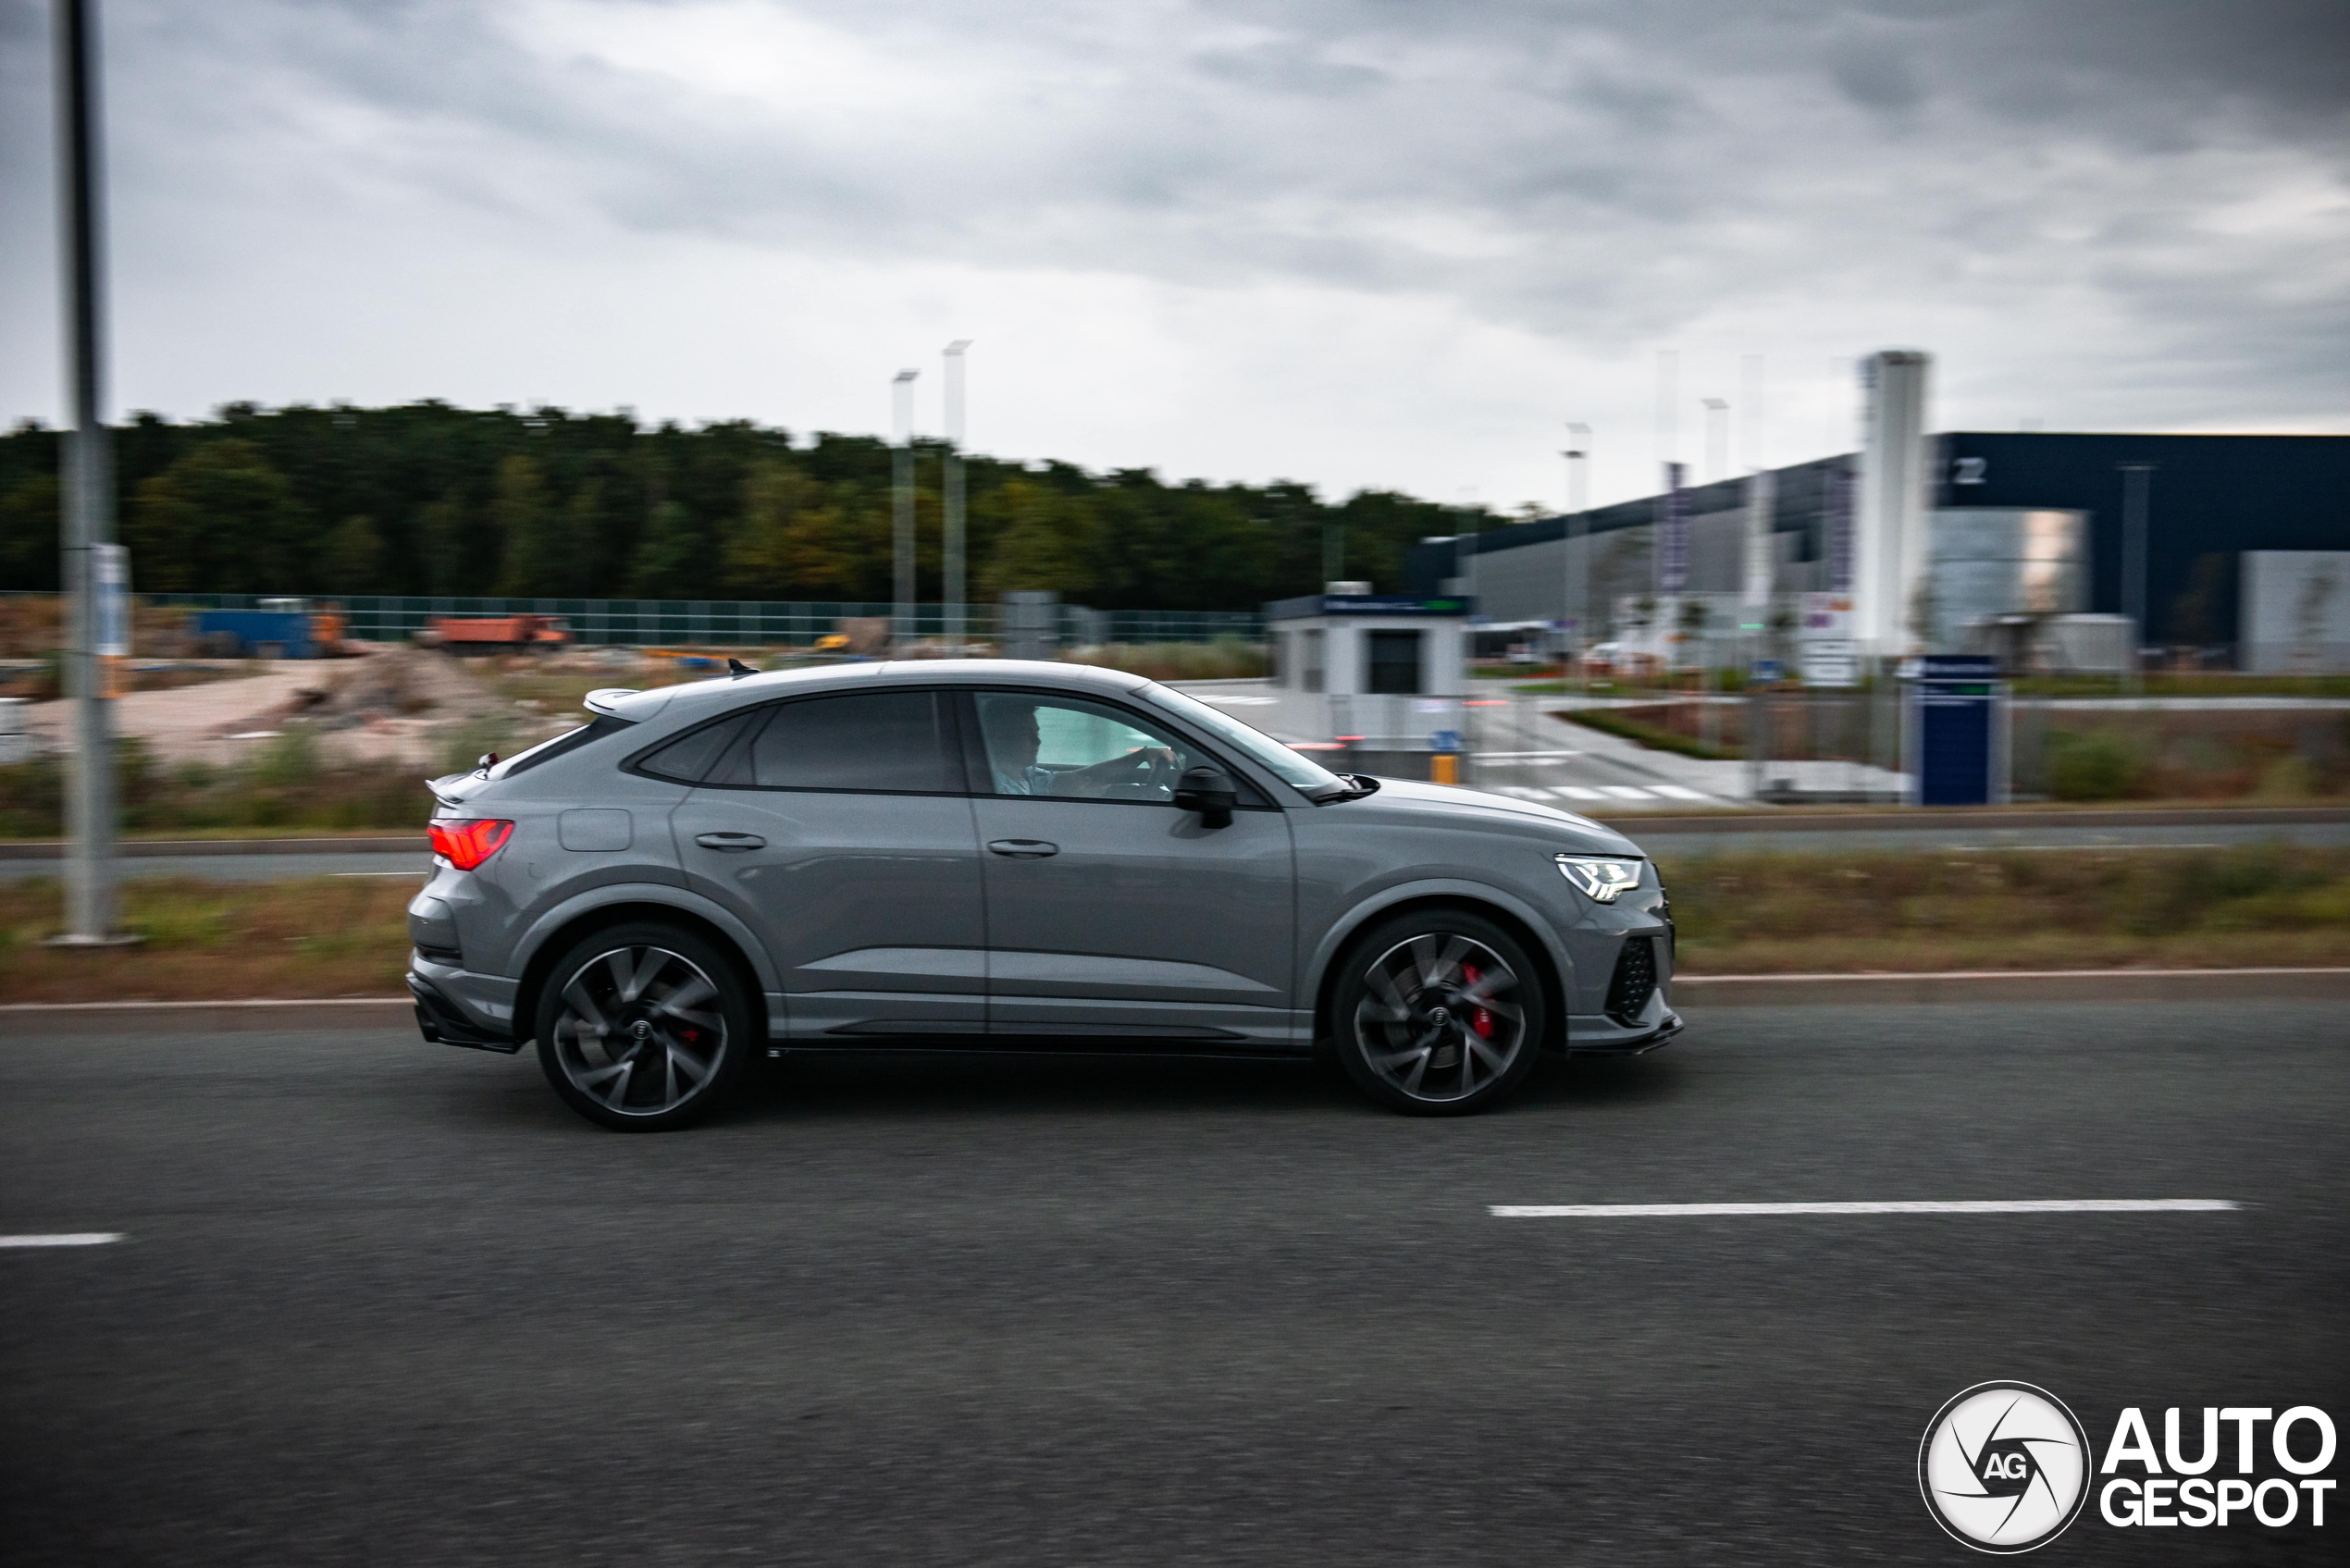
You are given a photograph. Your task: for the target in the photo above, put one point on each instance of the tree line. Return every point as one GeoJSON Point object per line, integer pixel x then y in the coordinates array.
{"type": "Point", "coordinates": [430, 499]}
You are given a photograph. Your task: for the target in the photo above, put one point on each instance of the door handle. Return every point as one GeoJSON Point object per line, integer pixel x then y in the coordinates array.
{"type": "Point", "coordinates": [1022, 849]}
{"type": "Point", "coordinates": [730, 841]}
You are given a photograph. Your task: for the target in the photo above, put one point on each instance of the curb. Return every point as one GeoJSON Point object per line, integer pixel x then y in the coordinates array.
{"type": "Point", "coordinates": [209, 1018]}
{"type": "Point", "coordinates": [157, 848]}
{"type": "Point", "coordinates": [1990, 819]}
{"type": "Point", "coordinates": [2011, 985]}
{"type": "Point", "coordinates": [1699, 992]}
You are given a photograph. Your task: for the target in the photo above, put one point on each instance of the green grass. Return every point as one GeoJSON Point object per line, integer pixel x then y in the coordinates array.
{"type": "Point", "coordinates": [1609, 722]}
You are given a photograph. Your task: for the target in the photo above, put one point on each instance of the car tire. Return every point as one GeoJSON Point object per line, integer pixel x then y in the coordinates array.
{"type": "Point", "coordinates": [1438, 1013]}
{"type": "Point", "coordinates": [645, 1027]}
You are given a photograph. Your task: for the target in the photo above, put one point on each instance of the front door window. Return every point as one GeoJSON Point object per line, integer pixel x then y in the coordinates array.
{"type": "Point", "coordinates": [1072, 749]}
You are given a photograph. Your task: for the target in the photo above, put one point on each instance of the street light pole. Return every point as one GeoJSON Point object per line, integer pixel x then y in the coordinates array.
{"type": "Point", "coordinates": [951, 486]}
{"type": "Point", "coordinates": [87, 522]}
{"type": "Point", "coordinates": [1576, 595]}
{"type": "Point", "coordinates": [902, 497]}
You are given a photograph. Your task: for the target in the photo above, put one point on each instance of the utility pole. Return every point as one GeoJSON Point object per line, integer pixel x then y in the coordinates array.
{"type": "Point", "coordinates": [902, 497]}
{"type": "Point", "coordinates": [87, 522]}
{"type": "Point", "coordinates": [2137, 478]}
{"type": "Point", "coordinates": [951, 544]}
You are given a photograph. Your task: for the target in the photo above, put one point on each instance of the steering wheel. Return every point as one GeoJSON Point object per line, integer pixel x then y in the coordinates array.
{"type": "Point", "coordinates": [1149, 774]}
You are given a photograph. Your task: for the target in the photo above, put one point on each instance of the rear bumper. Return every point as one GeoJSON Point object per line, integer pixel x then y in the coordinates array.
{"type": "Point", "coordinates": [443, 1022]}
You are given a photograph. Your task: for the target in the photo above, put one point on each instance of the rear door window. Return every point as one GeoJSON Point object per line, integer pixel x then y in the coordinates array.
{"type": "Point", "coordinates": [691, 755]}
{"type": "Point", "coordinates": [887, 743]}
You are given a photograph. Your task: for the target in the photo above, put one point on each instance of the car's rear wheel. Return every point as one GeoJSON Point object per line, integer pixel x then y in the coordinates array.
{"type": "Point", "coordinates": [1438, 1013]}
{"type": "Point", "coordinates": [644, 1027]}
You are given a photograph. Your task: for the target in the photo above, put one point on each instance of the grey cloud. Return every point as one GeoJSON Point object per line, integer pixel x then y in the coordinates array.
{"type": "Point", "coordinates": [1597, 168]}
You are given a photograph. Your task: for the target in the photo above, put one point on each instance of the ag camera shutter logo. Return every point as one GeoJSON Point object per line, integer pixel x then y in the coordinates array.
{"type": "Point", "coordinates": [2004, 1467]}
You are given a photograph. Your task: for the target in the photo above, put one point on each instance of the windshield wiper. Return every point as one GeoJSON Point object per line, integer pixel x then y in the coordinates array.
{"type": "Point", "coordinates": [1355, 787]}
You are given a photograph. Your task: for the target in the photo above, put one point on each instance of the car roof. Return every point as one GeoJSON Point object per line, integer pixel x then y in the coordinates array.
{"type": "Point", "coordinates": [701, 696]}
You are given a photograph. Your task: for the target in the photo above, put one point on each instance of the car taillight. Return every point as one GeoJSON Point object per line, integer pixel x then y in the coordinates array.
{"type": "Point", "coordinates": [467, 845]}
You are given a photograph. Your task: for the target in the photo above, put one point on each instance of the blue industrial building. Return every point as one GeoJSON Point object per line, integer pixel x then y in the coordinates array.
{"type": "Point", "coordinates": [2210, 499]}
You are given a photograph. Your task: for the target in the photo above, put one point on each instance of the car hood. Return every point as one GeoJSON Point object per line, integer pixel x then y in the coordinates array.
{"type": "Point", "coordinates": [1449, 800]}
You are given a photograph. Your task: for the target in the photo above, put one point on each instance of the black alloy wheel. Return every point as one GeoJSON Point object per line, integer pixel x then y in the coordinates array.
{"type": "Point", "coordinates": [644, 1027]}
{"type": "Point", "coordinates": [1437, 1014]}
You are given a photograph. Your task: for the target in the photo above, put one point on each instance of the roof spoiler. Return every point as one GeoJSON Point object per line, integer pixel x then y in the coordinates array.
{"type": "Point", "coordinates": [606, 700]}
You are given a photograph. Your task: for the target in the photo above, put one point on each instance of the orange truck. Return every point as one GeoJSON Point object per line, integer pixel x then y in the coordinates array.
{"type": "Point", "coordinates": [499, 633]}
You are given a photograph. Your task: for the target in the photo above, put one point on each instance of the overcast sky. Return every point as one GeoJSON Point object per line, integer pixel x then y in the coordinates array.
{"type": "Point", "coordinates": [1344, 242]}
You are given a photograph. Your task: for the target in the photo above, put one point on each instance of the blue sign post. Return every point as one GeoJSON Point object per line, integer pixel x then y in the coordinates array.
{"type": "Point", "coordinates": [1958, 731]}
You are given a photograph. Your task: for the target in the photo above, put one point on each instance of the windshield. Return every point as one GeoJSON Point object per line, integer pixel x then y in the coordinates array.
{"type": "Point", "coordinates": [1299, 772]}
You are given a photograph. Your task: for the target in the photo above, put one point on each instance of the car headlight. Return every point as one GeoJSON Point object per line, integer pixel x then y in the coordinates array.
{"type": "Point", "coordinates": [1598, 879]}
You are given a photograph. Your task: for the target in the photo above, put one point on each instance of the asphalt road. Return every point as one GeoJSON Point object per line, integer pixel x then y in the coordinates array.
{"type": "Point", "coordinates": [387, 1302]}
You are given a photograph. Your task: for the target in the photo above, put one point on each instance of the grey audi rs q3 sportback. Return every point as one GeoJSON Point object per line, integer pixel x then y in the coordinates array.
{"type": "Point", "coordinates": [1002, 854]}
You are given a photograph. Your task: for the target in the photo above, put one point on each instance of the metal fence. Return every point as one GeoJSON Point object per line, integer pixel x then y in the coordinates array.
{"type": "Point", "coordinates": [738, 623]}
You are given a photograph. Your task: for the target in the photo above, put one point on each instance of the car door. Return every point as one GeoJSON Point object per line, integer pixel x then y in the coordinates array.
{"type": "Point", "coordinates": [1111, 912]}
{"type": "Point", "coordinates": [838, 827]}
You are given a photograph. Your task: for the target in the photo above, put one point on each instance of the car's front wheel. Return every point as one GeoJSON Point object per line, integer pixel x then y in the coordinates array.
{"type": "Point", "coordinates": [1438, 1013]}
{"type": "Point", "coordinates": [644, 1027]}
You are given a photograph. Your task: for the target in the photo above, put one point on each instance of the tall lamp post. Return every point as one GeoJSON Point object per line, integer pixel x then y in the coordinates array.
{"type": "Point", "coordinates": [902, 499]}
{"type": "Point", "coordinates": [1576, 593]}
{"type": "Point", "coordinates": [88, 522]}
{"type": "Point", "coordinates": [951, 487]}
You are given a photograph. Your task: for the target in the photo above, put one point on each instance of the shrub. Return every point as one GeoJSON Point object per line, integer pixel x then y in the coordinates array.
{"type": "Point", "coordinates": [2100, 765]}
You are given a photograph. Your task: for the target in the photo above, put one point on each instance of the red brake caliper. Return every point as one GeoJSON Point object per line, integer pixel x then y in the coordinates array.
{"type": "Point", "coordinates": [1483, 1022]}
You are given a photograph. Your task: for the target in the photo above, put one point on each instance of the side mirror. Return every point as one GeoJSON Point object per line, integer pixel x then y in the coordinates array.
{"type": "Point", "coordinates": [1209, 792]}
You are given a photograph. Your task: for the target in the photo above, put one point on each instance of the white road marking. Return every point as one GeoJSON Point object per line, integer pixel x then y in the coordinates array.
{"type": "Point", "coordinates": [1675, 792]}
{"type": "Point", "coordinates": [1626, 791]}
{"type": "Point", "coordinates": [1523, 792]}
{"type": "Point", "coordinates": [64, 1239]}
{"type": "Point", "coordinates": [1993, 1205]}
{"type": "Point", "coordinates": [1575, 792]}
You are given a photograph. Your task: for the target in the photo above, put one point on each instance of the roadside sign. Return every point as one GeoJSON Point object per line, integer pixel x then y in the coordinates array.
{"type": "Point", "coordinates": [1446, 740]}
{"type": "Point", "coordinates": [1767, 670]}
{"type": "Point", "coordinates": [110, 575]}
{"type": "Point", "coordinates": [1830, 662]}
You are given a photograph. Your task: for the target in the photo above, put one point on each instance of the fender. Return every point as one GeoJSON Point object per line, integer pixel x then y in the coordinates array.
{"type": "Point", "coordinates": [682, 899]}
{"type": "Point", "coordinates": [1342, 929]}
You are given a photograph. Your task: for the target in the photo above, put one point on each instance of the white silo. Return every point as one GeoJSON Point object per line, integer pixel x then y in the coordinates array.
{"type": "Point", "coordinates": [1890, 554]}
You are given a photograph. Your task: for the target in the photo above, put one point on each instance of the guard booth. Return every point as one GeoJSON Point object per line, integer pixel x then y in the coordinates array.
{"type": "Point", "coordinates": [1378, 678]}
{"type": "Point", "coordinates": [1955, 732]}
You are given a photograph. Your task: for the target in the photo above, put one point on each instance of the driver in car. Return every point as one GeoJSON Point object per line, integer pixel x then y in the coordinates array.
{"type": "Point", "coordinates": [1013, 742]}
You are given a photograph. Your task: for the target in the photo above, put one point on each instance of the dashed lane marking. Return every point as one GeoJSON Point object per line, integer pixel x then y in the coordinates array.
{"type": "Point", "coordinates": [64, 1239]}
{"type": "Point", "coordinates": [1969, 1205]}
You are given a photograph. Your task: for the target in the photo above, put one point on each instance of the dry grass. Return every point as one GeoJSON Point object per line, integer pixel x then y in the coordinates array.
{"type": "Point", "coordinates": [1749, 914]}
{"type": "Point", "coordinates": [1737, 914]}
{"type": "Point", "coordinates": [323, 936]}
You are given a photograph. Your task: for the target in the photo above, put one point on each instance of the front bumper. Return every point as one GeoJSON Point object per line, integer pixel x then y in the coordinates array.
{"type": "Point", "coordinates": [1598, 1035]}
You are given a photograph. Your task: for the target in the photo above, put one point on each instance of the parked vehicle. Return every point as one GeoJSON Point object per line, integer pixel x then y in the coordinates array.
{"type": "Point", "coordinates": [279, 632]}
{"type": "Point", "coordinates": [1004, 854]}
{"type": "Point", "coordinates": [497, 634]}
